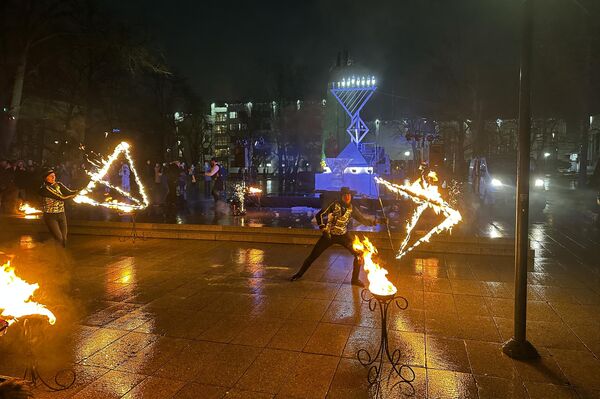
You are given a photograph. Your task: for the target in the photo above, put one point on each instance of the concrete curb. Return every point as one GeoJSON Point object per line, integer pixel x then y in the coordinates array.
{"type": "Point", "coordinates": [444, 243]}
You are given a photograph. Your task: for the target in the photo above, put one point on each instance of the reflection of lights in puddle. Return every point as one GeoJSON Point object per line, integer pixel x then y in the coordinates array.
{"type": "Point", "coordinates": [121, 276]}
{"type": "Point", "coordinates": [429, 267]}
{"type": "Point", "coordinates": [494, 232]}
{"type": "Point", "coordinates": [26, 242]}
{"type": "Point", "coordinates": [538, 232]}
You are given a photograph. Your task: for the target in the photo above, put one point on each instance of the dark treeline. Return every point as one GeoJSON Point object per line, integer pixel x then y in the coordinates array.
{"type": "Point", "coordinates": [75, 71]}
{"type": "Point", "coordinates": [71, 73]}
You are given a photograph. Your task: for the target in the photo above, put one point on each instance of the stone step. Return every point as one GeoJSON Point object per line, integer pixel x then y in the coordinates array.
{"type": "Point", "coordinates": [443, 243]}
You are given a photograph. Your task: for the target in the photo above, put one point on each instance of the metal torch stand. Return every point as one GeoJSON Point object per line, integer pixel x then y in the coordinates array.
{"type": "Point", "coordinates": [383, 354]}
{"type": "Point", "coordinates": [133, 235]}
{"type": "Point", "coordinates": [63, 379]}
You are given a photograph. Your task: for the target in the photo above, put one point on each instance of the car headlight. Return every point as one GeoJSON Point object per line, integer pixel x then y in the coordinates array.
{"type": "Point", "coordinates": [539, 182]}
{"type": "Point", "coordinates": [496, 183]}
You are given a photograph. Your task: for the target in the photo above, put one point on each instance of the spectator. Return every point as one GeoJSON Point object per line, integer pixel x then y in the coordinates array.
{"type": "Point", "coordinates": [216, 174]}
{"type": "Point", "coordinates": [124, 172]}
{"type": "Point", "coordinates": [207, 180]}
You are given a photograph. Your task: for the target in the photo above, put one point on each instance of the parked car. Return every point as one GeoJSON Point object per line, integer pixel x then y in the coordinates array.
{"type": "Point", "coordinates": [494, 181]}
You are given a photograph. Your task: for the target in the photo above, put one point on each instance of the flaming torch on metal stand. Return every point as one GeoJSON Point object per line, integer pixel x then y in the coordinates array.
{"type": "Point", "coordinates": [16, 303]}
{"type": "Point", "coordinates": [381, 294]}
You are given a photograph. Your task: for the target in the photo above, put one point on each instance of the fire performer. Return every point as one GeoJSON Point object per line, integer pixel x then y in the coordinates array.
{"type": "Point", "coordinates": [54, 194]}
{"type": "Point", "coordinates": [335, 231]}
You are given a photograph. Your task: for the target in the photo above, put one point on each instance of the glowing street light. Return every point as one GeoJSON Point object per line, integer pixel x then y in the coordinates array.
{"type": "Point", "coordinates": [546, 154]}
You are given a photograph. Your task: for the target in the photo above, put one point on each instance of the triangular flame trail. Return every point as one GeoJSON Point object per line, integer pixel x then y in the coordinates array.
{"type": "Point", "coordinates": [99, 178]}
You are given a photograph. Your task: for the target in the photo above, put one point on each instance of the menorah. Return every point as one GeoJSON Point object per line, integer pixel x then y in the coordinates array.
{"type": "Point", "coordinates": [353, 93]}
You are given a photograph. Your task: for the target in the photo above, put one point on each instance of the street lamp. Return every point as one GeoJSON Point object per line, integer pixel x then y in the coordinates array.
{"type": "Point", "coordinates": [518, 347]}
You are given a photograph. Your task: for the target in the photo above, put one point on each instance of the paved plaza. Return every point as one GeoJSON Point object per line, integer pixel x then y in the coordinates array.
{"type": "Point", "coordinates": [205, 319]}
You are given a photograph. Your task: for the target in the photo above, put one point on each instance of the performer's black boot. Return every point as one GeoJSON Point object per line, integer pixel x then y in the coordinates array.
{"type": "Point", "coordinates": [356, 272]}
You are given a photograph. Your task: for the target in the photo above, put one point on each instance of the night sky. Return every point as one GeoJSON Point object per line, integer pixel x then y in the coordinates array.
{"type": "Point", "coordinates": [235, 50]}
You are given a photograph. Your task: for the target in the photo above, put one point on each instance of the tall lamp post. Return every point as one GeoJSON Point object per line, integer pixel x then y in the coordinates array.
{"type": "Point", "coordinates": [518, 347]}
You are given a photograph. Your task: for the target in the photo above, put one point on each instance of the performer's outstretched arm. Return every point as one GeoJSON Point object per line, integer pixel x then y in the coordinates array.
{"type": "Point", "coordinates": [366, 220]}
{"type": "Point", "coordinates": [321, 213]}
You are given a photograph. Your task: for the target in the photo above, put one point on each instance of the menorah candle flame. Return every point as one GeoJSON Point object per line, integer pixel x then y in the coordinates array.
{"type": "Point", "coordinates": [28, 209]}
{"type": "Point", "coordinates": [425, 195]}
{"type": "Point", "coordinates": [378, 282]}
{"type": "Point", "coordinates": [99, 177]}
{"type": "Point", "coordinates": [16, 297]}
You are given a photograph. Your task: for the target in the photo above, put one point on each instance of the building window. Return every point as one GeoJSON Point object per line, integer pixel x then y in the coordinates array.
{"type": "Point", "coordinates": [220, 129]}
{"type": "Point", "coordinates": [221, 117]}
{"type": "Point", "coordinates": [232, 115]}
{"type": "Point", "coordinates": [222, 153]}
{"type": "Point", "coordinates": [222, 141]}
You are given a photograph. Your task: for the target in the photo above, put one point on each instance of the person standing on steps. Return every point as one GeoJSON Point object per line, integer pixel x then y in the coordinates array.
{"type": "Point", "coordinates": [335, 231]}
{"type": "Point", "coordinates": [54, 194]}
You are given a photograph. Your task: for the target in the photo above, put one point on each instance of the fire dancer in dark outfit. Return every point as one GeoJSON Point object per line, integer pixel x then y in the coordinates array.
{"type": "Point", "coordinates": [335, 231]}
{"type": "Point", "coordinates": [54, 194]}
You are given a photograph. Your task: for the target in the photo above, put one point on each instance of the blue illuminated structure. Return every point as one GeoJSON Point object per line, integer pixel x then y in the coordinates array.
{"type": "Point", "coordinates": [350, 167]}
{"type": "Point", "coordinates": [353, 93]}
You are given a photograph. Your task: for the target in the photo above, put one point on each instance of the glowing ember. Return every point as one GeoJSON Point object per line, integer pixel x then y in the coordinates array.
{"type": "Point", "coordinates": [28, 209]}
{"type": "Point", "coordinates": [425, 195]}
{"type": "Point", "coordinates": [99, 177]}
{"type": "Point", "coordinates": [378, 282]}
{"type": "Point", "coordinates": [254, 190]}
{"type": "Point", "coordinates": [16, 297]}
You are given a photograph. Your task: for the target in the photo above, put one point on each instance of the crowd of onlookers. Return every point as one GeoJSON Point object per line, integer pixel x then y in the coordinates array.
{"type": "Point", "coordinates": [20, 181]}
{"type": "Point", "coordinates": [188, 181]}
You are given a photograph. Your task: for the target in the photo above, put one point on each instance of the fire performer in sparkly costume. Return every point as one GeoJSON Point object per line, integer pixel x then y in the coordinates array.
{"type": "Point", "coordinates": [54, 194]}
{"type": "Point", "coordinates": [335, 231]}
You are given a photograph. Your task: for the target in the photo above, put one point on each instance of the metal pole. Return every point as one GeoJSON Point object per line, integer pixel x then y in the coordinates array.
{"type": "Point", "coordinates": [518, 347]}
{"type": "Point", "coordinates": [387, 224]}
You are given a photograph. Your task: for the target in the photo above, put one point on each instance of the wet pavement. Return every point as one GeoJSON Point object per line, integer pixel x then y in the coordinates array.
{"type": "Point", "coordinates": [200, 319]}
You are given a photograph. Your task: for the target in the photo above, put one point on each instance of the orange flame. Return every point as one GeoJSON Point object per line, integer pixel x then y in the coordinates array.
{"type": "Point", "coordinates": [16, 297]}
{"type": "Point", "coordinates": [28, 209]}
{"type": "Point", "coordinates": [98, 177]}
{"type": "Point", "coordinates": [254, 190]}
{"type": "Point", "coordinates": [425, 195]}
{"type": "Point", "coordinates": [378, 282]}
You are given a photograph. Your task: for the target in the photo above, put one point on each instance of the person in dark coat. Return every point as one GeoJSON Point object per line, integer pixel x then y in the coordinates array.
{"type": "Point", "coordinates": [173, 171]}
{"type": "Point", "coordinates": [216, 174]}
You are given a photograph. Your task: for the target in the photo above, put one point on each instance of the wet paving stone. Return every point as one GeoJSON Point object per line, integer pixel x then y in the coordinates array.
{"type": "Point", "coordinates": [194, 319]}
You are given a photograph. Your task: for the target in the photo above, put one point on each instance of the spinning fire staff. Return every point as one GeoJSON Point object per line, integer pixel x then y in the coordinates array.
{"type": "Point", "coordinates": [99, 178]}
{"type": "Point", "coordinates": [426, 195]}
{"type": "Point", "coordinates": [335, 231]}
